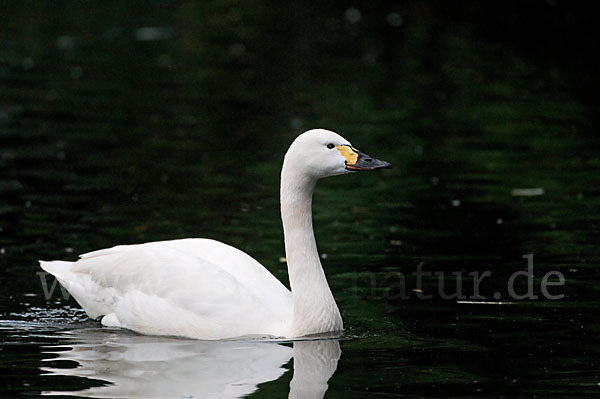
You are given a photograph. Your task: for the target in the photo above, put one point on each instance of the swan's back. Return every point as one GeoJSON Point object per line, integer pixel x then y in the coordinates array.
{"type": "Point", "coordinates": [191, 287]}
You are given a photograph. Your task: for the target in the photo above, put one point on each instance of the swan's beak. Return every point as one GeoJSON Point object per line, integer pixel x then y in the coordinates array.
{"type": "Point", "coordinates": [356, 160]}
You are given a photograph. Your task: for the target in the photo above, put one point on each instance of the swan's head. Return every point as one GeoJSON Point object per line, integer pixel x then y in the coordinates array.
{"type": "Point", "coordinates": [321, 153]}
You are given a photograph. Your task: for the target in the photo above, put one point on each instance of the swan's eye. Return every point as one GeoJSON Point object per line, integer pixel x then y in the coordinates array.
{"type": "Point", "coordinates": [330, 146]}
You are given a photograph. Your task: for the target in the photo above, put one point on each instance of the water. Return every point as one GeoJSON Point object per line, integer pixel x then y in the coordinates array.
{"type": "Point", "coordinates": [125, 123]}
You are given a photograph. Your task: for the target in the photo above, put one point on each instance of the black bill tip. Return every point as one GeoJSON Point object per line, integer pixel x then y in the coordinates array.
{"type": "Point", "coordinates": [365, 162]}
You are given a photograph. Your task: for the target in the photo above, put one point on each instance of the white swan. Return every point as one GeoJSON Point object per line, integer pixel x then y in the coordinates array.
{"type": "Point", "coordinates": [200, 288]}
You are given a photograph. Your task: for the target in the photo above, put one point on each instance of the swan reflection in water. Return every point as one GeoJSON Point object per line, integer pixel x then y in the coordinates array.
{"type": "Point", "coordinates": [137, 366]}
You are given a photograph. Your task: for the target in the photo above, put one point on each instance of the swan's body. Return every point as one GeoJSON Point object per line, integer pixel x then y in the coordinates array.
{"type": "Point", "coordinates": [205, 289]}
{"type": "Point", "coordinates": [191, 287]}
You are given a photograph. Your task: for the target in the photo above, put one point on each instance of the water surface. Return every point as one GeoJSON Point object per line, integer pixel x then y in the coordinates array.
{"type": "Point", "coordinates": [125, 123]}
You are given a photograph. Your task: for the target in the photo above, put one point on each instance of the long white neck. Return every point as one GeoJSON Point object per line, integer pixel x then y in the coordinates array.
{"type": "Point", "coordinates": [315, 310]}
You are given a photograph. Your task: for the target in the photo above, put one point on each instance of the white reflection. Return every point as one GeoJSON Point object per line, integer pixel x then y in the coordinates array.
{"type": "Point", "coordinates": [137, 366]}
{"type": "Point", "coordinates": [314, 364]}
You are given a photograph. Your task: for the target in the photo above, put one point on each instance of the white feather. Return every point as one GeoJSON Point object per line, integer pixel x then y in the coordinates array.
{"type": "Point", "coordinates": [205, 289]}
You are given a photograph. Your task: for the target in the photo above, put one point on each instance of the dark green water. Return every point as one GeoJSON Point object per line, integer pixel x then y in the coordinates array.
{"type": "Point", "coordinates": [125, 123]}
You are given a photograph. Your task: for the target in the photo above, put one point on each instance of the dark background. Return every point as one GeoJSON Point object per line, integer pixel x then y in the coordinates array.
{"type": "Point", "coordinates": [125, 122]}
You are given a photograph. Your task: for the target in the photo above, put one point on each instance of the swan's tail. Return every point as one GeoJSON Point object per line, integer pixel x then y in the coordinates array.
{"type": "Point", "coordinates": [79, 285]}
{"type": "Point", "coordinates": [57, 268]}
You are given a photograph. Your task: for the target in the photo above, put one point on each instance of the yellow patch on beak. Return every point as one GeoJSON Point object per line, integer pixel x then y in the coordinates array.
{"type": "Point", "coordinates": [350, 153]}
